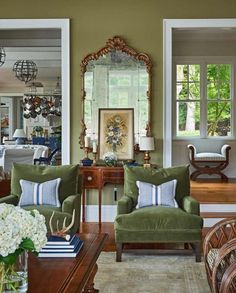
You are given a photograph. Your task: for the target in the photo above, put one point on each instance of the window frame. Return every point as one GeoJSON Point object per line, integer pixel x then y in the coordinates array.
{"type": "Point", "coordinates": [203, 61]}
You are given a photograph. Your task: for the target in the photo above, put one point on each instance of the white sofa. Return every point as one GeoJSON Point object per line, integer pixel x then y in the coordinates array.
{"type": "Point", "coordinates": [24, 154]}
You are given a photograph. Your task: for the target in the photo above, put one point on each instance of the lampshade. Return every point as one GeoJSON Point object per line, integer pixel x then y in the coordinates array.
{"type": "Point", "coordinates": [19, 133]}
{"type": "Point", "coordinates": [146, 143]}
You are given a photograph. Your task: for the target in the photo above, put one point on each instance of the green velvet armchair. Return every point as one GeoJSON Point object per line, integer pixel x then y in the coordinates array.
{"type": "Point", "coordinates": [158, 223]}
{"type": "Point", "coordinates": [69, 191]}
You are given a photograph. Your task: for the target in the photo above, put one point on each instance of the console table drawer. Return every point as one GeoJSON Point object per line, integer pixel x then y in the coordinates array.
{"type": "Point", "coordinates": [90, 179]}
{"type": "Point", "coordinates": [116, 176]}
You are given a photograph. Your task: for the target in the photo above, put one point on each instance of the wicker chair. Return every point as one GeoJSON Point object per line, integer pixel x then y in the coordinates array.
{"type": "Point", "coordinates": [218, 236]}
{"type": "Point", "coordinates": [224, 270]}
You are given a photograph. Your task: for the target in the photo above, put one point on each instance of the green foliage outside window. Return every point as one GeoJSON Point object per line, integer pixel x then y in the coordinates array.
{"type": "Point", "coordinates": [189, 99]}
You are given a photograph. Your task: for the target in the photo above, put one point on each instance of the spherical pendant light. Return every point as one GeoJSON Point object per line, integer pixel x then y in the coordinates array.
{"type": "Point", "coordinates": [25, 70]}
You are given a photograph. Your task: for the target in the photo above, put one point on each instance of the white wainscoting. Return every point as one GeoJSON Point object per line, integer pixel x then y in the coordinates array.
{"type": "Point", "coordinates": [108, 213]}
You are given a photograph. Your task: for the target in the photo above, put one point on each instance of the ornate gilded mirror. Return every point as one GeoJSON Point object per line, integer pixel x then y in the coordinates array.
{"type": "Point", "coordinates": [116, 76]}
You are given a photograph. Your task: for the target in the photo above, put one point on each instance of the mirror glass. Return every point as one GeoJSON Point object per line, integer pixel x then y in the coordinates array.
{"type": "Point", "coordinates": [115, 77]}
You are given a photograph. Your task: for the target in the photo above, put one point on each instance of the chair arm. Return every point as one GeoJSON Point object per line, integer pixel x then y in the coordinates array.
{"type": "Point", "coordinates": [191, 205]}
{"type": "Point", "coordinates": [124, 205]}
{"type": "Point", "coordinates": [192, 152]}
{"type": "Point", "coordinates": [70, 203]}
{"type": "Point", "coordinates": [225, 151]}
{"type": "Point", "coordinates": [73, 202]}
{"type": "Point", "coordinates": [10, 199]}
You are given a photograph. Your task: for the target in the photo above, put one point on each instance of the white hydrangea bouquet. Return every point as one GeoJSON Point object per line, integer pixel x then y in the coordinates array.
{"type": "Point", "coordinates": [20, 231]}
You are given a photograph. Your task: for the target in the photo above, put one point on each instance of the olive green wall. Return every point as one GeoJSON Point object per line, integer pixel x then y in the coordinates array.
{"type": "Point", "coordinates": [139, 22]}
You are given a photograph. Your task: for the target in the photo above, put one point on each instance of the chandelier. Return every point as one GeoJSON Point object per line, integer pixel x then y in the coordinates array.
{"type": "Point", "coordinates": [25, 70]}
{"type": "Point", "coordinates": [2, 56]}
{"type": "Point", "coordinates": [35, 104]}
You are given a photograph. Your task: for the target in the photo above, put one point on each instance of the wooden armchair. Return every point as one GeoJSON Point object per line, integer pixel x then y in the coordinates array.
{"type": "Point", "coordinates": [208, 162]}
{"type": "Point", "coordinates": [216, 239]}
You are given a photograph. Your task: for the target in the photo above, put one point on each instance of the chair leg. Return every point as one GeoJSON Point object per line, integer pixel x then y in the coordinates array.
{"type": "Point", "coordinates": [197, 247]}
{"type": "Point", "coordinates": [119, 247]}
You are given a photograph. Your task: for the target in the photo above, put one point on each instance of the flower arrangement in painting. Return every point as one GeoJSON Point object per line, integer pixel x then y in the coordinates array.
{"type": "Point", "coordinates": [115, 132]}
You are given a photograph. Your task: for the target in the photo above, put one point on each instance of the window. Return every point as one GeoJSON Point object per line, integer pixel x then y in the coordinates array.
{"type": "Point", "coordinates": [203, 100]}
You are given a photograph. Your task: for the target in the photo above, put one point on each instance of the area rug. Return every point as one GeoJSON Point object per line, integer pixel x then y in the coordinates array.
{"type": "Point", "coordinates": [150, 274]}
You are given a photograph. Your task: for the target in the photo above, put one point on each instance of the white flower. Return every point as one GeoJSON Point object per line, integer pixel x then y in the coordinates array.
{"type": "Point", "coordinates": [17, 224]}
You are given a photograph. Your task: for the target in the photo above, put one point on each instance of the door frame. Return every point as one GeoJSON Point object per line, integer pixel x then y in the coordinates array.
{"type": "Point", "coordinates": [63, 25]}
{"type": "Point", "coordinates": [168, 26]}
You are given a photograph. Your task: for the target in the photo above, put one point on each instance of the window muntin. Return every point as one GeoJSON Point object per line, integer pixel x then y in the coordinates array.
{"type": "Point", "coordinates": [187, 98]}
{"type": "Point", "coordinates": [218, 99]}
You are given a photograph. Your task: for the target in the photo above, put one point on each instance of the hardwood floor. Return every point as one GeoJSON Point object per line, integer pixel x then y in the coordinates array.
{"type": "Point", "coordinates": [205, 191]}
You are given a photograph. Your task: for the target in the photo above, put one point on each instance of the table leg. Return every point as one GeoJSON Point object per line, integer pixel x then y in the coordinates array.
{"type": "Point", "coordinates": [89, 287]}
{"type": "Point", "coordinates": [100, 206]}
{"type": "Point", "coordinates": [83, 205]}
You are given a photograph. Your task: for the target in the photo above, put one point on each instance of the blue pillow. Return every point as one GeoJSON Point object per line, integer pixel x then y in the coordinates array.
{"type": "Point", "coordinates": [45, 193]}
{"type": "Point", "coordinates": [156, 195]}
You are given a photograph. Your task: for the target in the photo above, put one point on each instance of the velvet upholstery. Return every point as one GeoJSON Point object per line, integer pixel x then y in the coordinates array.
{"type": "Point", "coordinates": [157, 223]}
{"type": "Point", "coordinates": [69, 191]}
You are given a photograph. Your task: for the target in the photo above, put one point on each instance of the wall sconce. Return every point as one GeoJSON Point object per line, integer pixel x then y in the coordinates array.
{"type": "Point", "coordinates": [20, 136]}
{"type": "Point", "coordinates": [146, 144]}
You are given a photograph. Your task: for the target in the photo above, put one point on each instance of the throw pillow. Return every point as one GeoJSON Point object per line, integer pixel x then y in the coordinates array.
{"type": "Point", "coordinates": [45, 193]}
{"type": "Point", "coordinates": [152, 195]}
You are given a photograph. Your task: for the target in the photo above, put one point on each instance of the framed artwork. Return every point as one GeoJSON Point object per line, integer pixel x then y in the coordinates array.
{"type": "Point", "coordinates": [116, 132]}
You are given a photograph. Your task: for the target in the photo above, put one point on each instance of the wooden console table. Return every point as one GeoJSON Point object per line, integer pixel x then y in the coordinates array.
{"type": "Point", "coordinates": [95, 177]}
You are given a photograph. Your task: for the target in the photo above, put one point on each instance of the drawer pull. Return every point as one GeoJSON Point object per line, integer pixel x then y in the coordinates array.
{"type": "Point", "coordinates": [89, 178]}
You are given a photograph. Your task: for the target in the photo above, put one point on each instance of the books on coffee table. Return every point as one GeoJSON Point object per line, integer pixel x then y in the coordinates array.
{"type": "Point", "coordinates": [60, 247]}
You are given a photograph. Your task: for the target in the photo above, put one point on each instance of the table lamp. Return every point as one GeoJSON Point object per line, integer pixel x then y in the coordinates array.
{"type": "Point", "coordinates": [146, 144]}
{"type": "Point", "coordinates": [20, 136]}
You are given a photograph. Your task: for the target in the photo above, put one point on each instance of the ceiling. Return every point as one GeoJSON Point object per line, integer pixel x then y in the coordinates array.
{"type": "Point", "coordinates": [43, 46]}
{"type": "Point", "coordinates": [205, 34]}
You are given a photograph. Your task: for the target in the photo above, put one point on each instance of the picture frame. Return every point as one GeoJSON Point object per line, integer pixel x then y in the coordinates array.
{"type": "Point", "coordinates": [116, 132]}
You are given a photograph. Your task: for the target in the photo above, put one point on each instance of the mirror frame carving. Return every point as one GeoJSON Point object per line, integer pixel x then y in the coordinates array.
{"type": "Point", "coordinates": [115, 43]}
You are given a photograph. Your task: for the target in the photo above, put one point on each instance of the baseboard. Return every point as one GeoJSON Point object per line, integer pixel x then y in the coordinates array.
{"type": "Point", "coordinates": [223, 207]}
{"type": "Point", "coordinates": [108, 213]}
{"type": "Point", "coordinates": [209, 222]}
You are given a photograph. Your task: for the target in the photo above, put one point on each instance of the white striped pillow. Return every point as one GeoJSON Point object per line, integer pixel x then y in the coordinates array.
{"type": "Point", "coordinates": [45, 193]}
{"type": "Point", "coordinates": [156, 195]}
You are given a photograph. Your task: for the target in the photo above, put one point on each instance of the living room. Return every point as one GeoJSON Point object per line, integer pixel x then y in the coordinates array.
{"type": "Point", "coordinates": [140, 24]}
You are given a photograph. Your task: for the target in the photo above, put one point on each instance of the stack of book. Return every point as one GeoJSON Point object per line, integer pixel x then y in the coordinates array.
{"type": "Point", "coordinates": [60, 247]}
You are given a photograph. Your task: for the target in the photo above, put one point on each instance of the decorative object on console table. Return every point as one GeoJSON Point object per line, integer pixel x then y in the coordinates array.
{"type": "Point", "coordinates": [96, 177]}
{"type": "Point", "coordinates": [146, 144]}
{"type": "Point", "coordinates": [116, 132]}
{"type": "Point", "coordinates": [94, 153]}
{"type": "Point", "coordinates": [87, 149]}
{"type": "Point", "coordinates": [110, 159]}
{"type": "Point", "coordinates": [20, 136]}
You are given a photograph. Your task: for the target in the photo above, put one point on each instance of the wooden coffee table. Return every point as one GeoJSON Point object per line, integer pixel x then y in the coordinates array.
{"type": "Point", "coordinates": [54, 275]}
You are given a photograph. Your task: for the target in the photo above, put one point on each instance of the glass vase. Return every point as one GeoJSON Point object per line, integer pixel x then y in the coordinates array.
{"type": "Point", "coordinates": [14, 277]}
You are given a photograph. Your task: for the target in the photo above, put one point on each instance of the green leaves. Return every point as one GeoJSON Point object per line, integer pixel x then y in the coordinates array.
{"type": "Point", "coordinates": [26, 244]}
